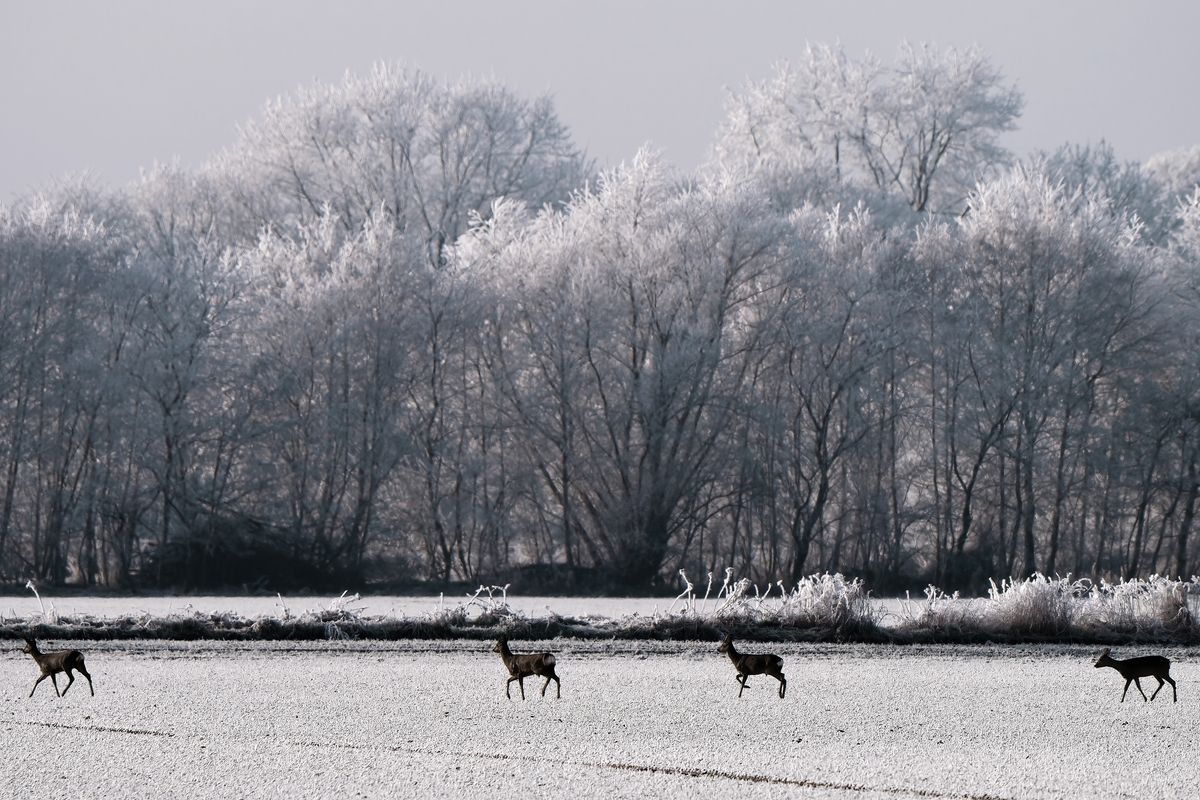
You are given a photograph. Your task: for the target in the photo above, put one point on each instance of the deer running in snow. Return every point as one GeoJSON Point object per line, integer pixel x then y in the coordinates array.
{"type": "Point", "coordinates": [747, 665]}
{"type": "Point", "coordinates": [50, 664]}
{"type": "Point", "coordinates": [522, 666]}
{"type": "Point", "coordinates": [1158, 667]}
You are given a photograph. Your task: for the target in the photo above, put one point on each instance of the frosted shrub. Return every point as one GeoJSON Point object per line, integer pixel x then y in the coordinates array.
{"type": "Point", "coordinates": [1154, 607]}
{"type": "Point", "coordinates": [818, 601]}
{"type": "Point", "coordinates": [51, 616]}
{"type": "Point", "coordinates": [942, 614]}
{"type": "Point", "coordinates": [738, 600]}
{"type": "Point", "coordinates": [341, 609]}
{"type": "Point", "coordinates": [344, 605]}
{"type": "Point", "coordinates": [488, 605]}
{"type": "Point", "coordinates": [1040, 605]}
{"type": "Point", "coordinates": [828, 604]}
{"type": "Point", "coordinates": [1044, 607]}
{"type": "Point", "coordinates": [829, 600]}
{"type": "Point", "coordinates": [688, 595]}
{"type": "Point", "coordinates": [445, 615]}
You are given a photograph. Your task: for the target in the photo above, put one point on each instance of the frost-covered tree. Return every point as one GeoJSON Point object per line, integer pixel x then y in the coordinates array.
{"type": "Point", "coordinates": [921, 130]}
{"type": "Point", "coordinates": [1058, 300]}
{"type": "Point", "coordinates": [644, 354]}
{"type": "Point", "coordinates": [64, 300]}
{"type": "Point", "coordinates": [1132, 192]}
{"type": "Point", "coordinates": [1179, 381]}
{"type": "Point", "coordinates": [1177, 170]}
{"type": "Point", "coordinates": [826, 342]}
{"type": "Point", "coordinates": [185, 353]}
{"type": "Point", "coordinates": [419, 154]}
{"type": "Point", "coordinates": [391, 332]}
{"type": "Point", "coordinates": [530, 336]}
{"type": "Point", "coordinates": [338, 339]}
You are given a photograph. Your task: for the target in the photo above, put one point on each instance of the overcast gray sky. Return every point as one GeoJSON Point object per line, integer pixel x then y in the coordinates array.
{"type": "Point", "coordinates": [114, 86]}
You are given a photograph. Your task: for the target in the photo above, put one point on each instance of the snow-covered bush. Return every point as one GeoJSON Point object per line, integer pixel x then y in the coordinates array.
{"type": "Point", "coordinates": [1061, 608]}
{"type": "Point", "coordinates": [1039, 605]}
{"type": "Point", "coordinates": [817, 601]}
{"type": "Point", "coordinates": [1154, 607]}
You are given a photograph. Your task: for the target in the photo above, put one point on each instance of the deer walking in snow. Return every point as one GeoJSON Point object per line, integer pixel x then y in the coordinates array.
{"type": "Point", "coordinates": [1158, 667]}
{"type": "Point", "coordinates": [522, 666]}
{"type": "Point", "coordinates": [747, 665]}
{"type": "Point", "coordinates": [50, 664]}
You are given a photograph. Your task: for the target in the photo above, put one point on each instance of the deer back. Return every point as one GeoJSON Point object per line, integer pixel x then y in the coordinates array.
{"type": "Point", "coordinates": [531, 664]}
{"type": "Point", "coordinates": [1142, 666]}
{"type": "Point", "coordinates": [759, 663]}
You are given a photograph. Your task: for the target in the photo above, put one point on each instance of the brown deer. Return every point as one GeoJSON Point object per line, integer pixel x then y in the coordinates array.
{"type": "Point", "coordinates": [747, 665]}
{"type": "Point", "coordinates": [522, 666]}
{"type": "Point", "coordinates": [50, 664]}
{"type": "Point", "coordinates": [1131, 669]}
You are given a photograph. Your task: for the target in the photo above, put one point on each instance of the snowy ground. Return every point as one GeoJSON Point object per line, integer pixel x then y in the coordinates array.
{"type": "Point", "coordinates": [410, 606]}
{"type": "Point", "coordinates": [26, 605]}
{"type": "Point", "coordinates": [429, 719]}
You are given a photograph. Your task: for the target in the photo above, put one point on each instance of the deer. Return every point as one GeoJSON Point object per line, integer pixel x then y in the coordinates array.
{"type": "Point", "coordinates": [760, 664]}
{"type": "Point", "coordinates": [522, 666]}
{"type": "Point", "coordinates": [1131, 669]}
{"type": "Point", "coordinates": [50, 664]}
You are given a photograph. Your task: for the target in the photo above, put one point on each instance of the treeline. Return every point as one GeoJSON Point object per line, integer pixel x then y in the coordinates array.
{"type": "Point", "coordinates": [402, 331]}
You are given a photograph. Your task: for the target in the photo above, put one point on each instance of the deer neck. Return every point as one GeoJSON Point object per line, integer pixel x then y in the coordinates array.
{"type": "Point", "coordinates": [734, 655]}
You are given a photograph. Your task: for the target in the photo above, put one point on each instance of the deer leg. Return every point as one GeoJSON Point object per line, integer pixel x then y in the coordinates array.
{"type": "Point", "coordinates": [1138, 684]}
{"type": "Point", "coordinates": [507, 693]}
{"type": "Point", "coordinates": [70, 680]}
{"type": "Point", "coordinates": [1126, 689]}
{"type": "Point", "coordinates": [1174, 694]}
{"type": "Point", "coordinates": [521, 683]}
{"type": "Point", "coordinates": [544, 685]}
{"type": "Point", "coordinates": [557, 687]}
{"type": "Point", "coordinates": [54, 681]}
{"type": "Point", "coordinates": [1161, 683]}
{"type": "Point", "coordinates": [742, 679]}
{"type": "Point", "coordinates": [35, 684]}
{"type": "Point", "coordinates": [782, 685]}
{"type": "Point", "coordinates": [85, 674]}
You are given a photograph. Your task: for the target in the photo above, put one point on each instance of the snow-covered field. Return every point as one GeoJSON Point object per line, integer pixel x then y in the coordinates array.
{"type": "Point", "coordinates": [399, 605]}
{"type": "Point", "coordinates": [26, 605]}
{"type": "Point", "coordinates": [637, 719]}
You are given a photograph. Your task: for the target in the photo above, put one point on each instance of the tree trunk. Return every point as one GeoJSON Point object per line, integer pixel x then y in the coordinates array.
{"type": "Point", "coordinates": [1185, 527]}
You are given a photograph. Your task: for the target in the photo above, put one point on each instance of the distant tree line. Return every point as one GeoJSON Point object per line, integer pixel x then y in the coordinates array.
{"type": "Point", "coordinates": [401, 330]}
